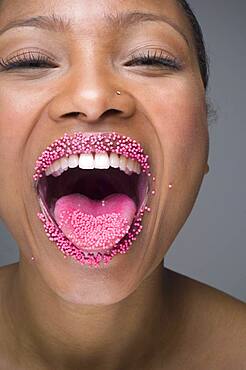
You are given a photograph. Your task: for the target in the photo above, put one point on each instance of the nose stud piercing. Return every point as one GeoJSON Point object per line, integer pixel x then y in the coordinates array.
{"type": "Point", "coordinates": [118, 92]}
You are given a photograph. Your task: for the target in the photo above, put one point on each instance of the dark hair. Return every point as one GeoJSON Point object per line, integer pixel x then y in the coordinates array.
{"type": "Point", "coordinates": [199, 42]}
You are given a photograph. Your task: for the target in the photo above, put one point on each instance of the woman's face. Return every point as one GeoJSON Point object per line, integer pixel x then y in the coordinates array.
{"type": "Point", "coordinates": [110, 45]}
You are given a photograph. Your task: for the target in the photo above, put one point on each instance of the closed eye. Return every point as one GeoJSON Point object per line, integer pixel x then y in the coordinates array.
{"type": "Point", "coordinates": [154, 60]}
{"type": "Point", "coordinates": [27, 60]}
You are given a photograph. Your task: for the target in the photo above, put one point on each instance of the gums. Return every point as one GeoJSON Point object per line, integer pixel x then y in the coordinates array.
{"type": "Point", "coordinates": [87, 143]}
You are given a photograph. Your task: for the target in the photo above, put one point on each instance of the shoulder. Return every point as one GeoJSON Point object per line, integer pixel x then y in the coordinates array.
{"type": "Point", "coordinates": [216, 323]}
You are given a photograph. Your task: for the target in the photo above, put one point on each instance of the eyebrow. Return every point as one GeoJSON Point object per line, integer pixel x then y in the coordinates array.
{"type": "Point", "coordinates": [132, 18]}
{"type": "Point", "coordinates": [47, 22]}
{"type": "Point", "coordinates": [57, 24]}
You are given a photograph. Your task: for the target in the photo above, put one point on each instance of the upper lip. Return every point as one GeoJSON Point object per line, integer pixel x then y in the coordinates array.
{"type": "Point", "coordinates": [76, 144]}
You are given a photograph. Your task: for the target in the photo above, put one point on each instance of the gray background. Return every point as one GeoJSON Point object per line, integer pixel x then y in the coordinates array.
{"type": "Point", "coordinates": [211, 247]}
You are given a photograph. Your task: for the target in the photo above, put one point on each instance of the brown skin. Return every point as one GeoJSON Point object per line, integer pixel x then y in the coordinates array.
{"type": "Point", "coordinates": [133, 313]}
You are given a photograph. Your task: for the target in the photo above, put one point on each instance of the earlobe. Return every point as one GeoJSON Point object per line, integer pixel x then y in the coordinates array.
{"type": "Point", "coordinates": [206, 169]}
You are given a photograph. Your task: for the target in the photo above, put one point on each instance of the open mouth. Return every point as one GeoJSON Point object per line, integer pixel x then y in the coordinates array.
{"type": "Point", "coordinates": [93, 195]}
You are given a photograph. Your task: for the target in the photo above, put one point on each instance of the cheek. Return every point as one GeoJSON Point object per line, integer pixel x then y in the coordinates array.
{"type": "Point", "coordinates": [19, 108]}
{"type": "Point", "coordinates": [18, 111]}
{"type": "Point", "coordinates": [179, 117]}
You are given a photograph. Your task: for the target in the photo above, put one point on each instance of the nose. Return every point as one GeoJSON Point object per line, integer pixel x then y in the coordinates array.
{"type": "Point", "coordinates": [90, 97]}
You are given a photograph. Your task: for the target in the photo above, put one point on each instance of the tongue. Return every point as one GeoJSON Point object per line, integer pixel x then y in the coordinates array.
{"type": "Point", "coordinates": [92, 224]}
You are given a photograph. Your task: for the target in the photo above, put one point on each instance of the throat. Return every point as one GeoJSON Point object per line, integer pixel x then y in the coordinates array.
{"type": "Point", "coordinates": [94, 184]}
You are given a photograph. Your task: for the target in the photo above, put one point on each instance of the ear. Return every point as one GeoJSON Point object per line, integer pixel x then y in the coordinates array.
{"type": "Point", "coordinates": [206, 170]}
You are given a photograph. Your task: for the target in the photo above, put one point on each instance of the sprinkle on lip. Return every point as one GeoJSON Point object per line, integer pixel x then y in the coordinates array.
{"type": "Point", "coordinates": [79, 143]}
{"type": "Point", "coordinates": [69, 249]}
{"type": "Point", "coordinates": [87, 143]}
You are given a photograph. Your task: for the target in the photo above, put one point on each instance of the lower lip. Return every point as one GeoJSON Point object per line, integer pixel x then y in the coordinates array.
{"type": "Point", "coordinates": [70, 250]}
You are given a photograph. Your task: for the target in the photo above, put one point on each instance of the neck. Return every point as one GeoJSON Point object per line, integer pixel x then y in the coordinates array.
{"type": "Point", "coordinates": [64, 335]}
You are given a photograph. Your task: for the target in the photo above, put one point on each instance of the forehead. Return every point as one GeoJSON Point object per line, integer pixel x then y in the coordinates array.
{"type": "Point", "coordinates": [91, 12]}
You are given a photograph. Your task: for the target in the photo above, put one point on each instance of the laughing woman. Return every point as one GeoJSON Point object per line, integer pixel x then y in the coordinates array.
{"type": "Point", "coordinates": [103, 148]}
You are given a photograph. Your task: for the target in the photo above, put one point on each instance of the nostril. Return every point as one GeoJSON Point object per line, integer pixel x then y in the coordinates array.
{"type": "Point", "coordinates": [108, 113]}
{"type": "Point", "coordinates": [111, 112]}
{"type": "Point", "coordinates": [72, 114]}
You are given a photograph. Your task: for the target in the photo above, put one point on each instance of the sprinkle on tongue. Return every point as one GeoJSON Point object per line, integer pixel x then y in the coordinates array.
{"type": "Point", "coordinates": [94, 224]}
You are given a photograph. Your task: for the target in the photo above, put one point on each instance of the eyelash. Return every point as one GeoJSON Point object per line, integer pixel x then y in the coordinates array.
{"type": "Point", "coordinates": [24, 61]}
{"type": "Point", "coordinates": [156, 59]}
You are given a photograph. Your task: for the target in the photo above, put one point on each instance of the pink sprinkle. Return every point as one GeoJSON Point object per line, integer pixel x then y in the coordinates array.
{"type": "Point", "coordinates": [55, 235]}
{"type": "Point", "coordinates": [83, 143]}
{"type": "Point", "coordinates": [96, 143]}
{"type": "Point", "coordinates": [88, 231]}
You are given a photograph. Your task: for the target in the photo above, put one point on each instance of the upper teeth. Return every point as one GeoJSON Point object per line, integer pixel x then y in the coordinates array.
{"type": "Point", "coordinates": [90, 161]}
